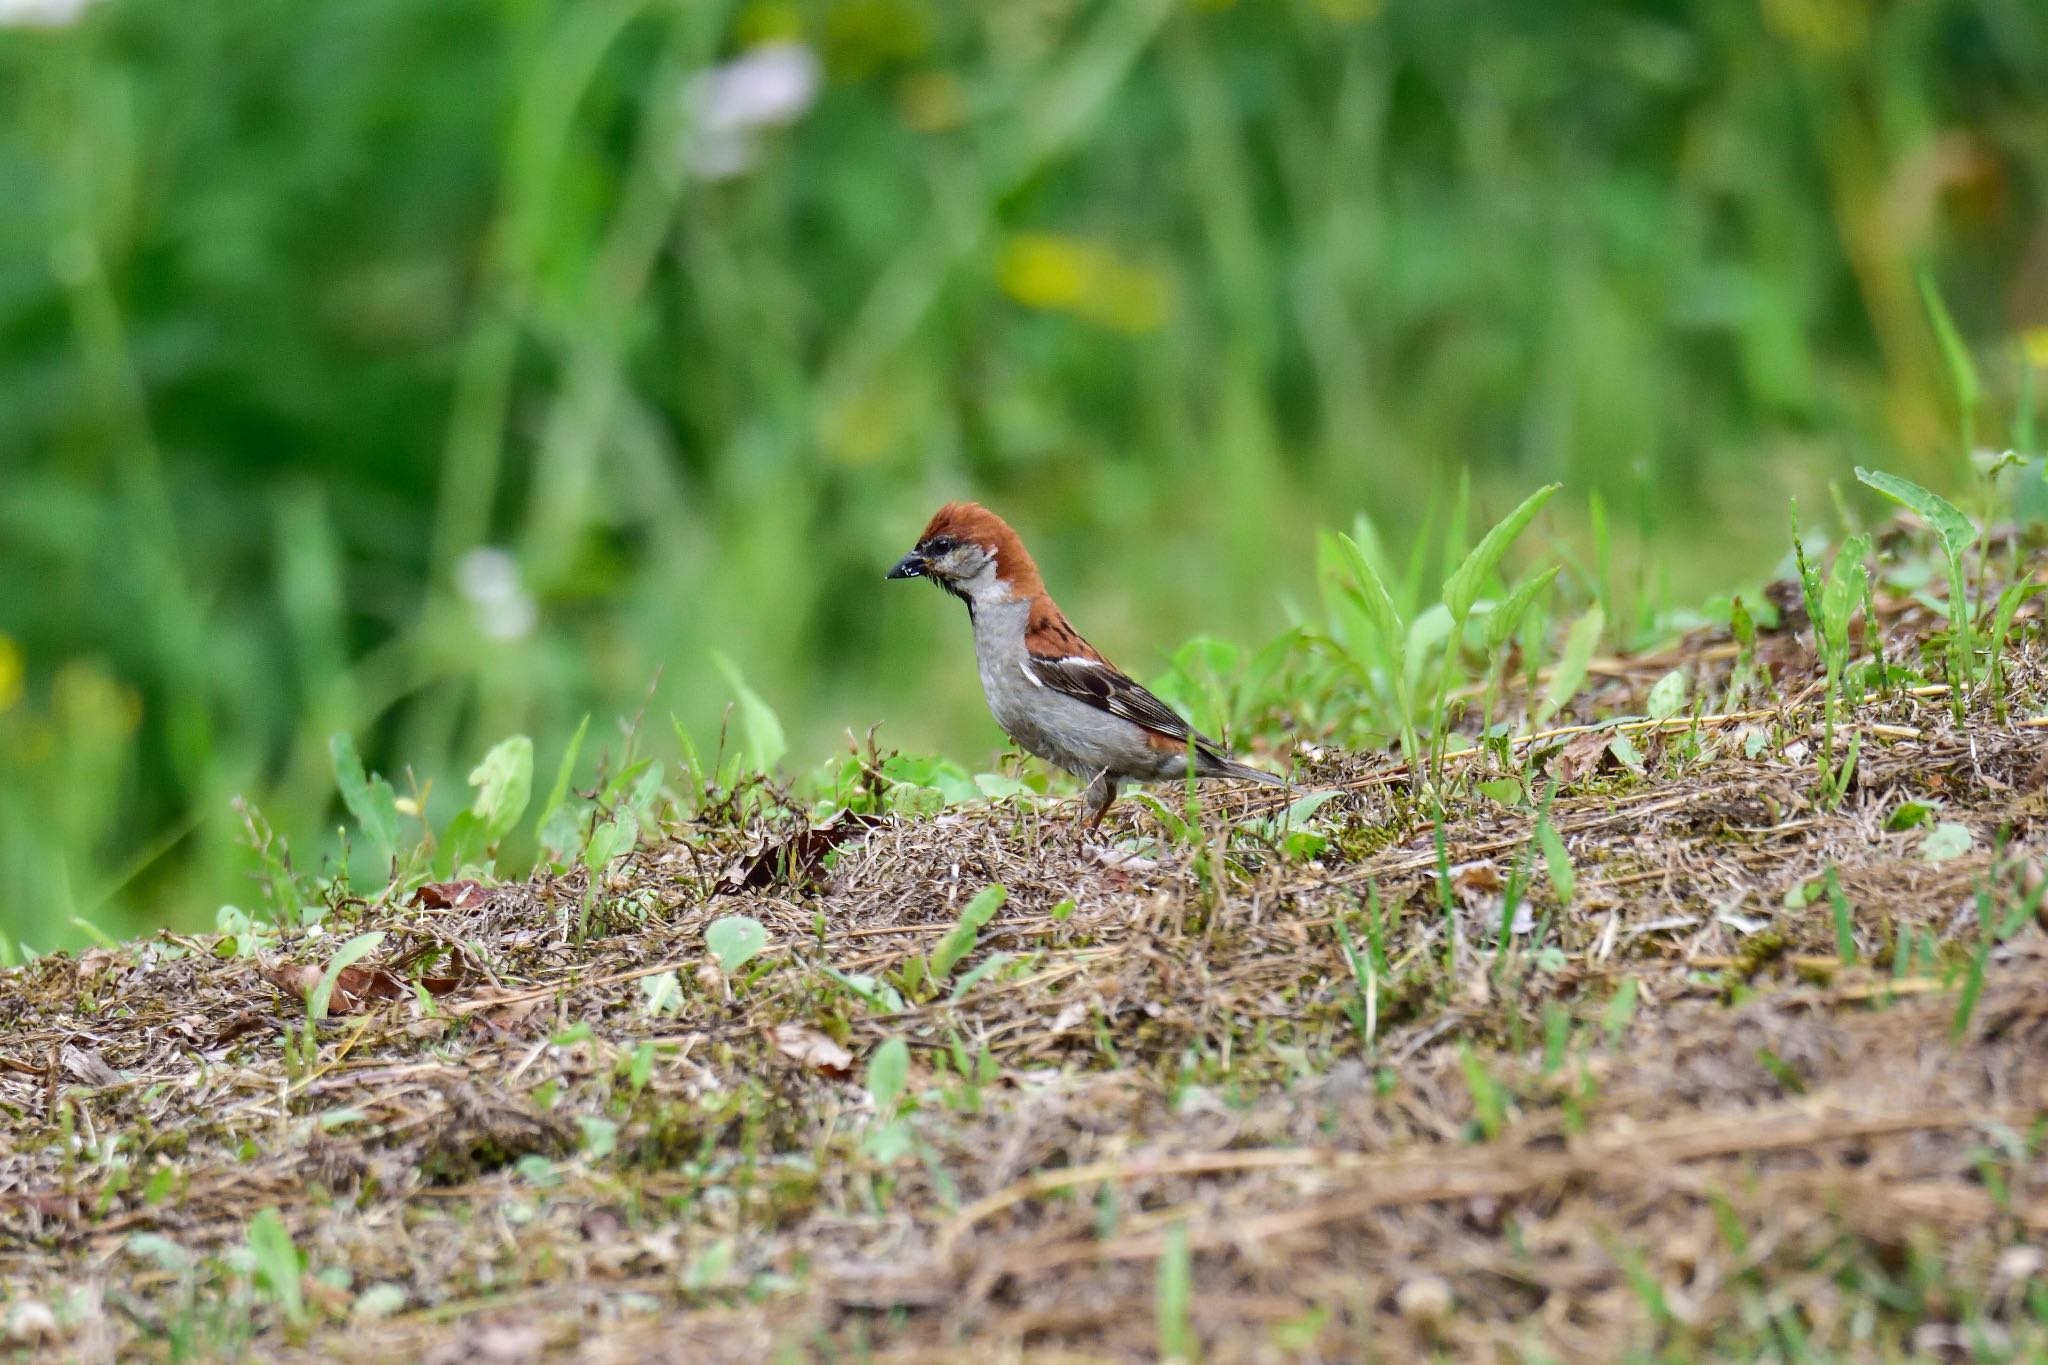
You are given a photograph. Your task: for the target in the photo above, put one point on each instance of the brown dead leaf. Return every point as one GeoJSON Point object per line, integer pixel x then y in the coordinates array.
{"type": "Point", "coordinates": [355, 989]}
{"type": "Point", "coordinates": [458, 895]}
{"type": "Point", "coordinates": [97, 960]}
{"type": "Point", "coordinates": [506, 1017]}
{"type": "Point", "coordinates": [809, 1048]}
{"type": "Point", "coordinates": [239, 1025]}
{"type": "Point", "coordinates": [1581, 757]}
{"type": "Point", "coordinates": [1476, 879]}
{"type": "Point", "coordinates": [796, 858]}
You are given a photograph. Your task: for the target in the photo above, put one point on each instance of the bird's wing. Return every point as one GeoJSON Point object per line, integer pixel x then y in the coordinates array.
{"type": "Point", "coordinates": [1104, 686]}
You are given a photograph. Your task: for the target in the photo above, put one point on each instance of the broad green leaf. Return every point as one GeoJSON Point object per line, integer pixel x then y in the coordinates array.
{"type": "Point", "coordinates": [1300, 810]}
{"type": "Point", "coordinates": [888, 1074]}
{"type": "Point", "coordinates": [1909, 814]}
{"type": "Point", "coordinates": [608, 841]}
{"type": "Point", "coordinates": [278, 1263]}
{"type": "Point", "coordinates": [878, 995]}
{"type": "Point", "coordinates": [504, 784]}
{"type": "Point", "coordinates": [1463, 587]}
{"type": "Point", "coordinates": [1370, 591]}
{"type": "Point", "coordinates": [735, 939]}
{"type": "Point", "coordinates": [1506, 617]}
{"type": "Point", "coordinates": [1668, 696]}
{"type": "Point", "coordinates": [960, 939]}
{"type": "Point", "coordinates": [560, 790]}
{"type": "Point", "coordinates": [154, 1246]}
{"type": "Point", "coordinates": [762, 744]}
{"type": "Point", "coordinates": [1958, 533]}
{"type": "Point", "coordinates": [1740, 624]}
{"type": "Point", "coordinates": [380, 1300]}
{"type": "Point", "coordinates": [1945, 841]}
{"type": "Point", "coordinates": [347, 955]}
{"type": "Point", "coordinates": [1844, 591]}
{"type": "Point", "coordinates": [1506, 790]}
{"type": "Point", "coordinates": [369, 799]}
{"type": "Point", "coordinates": [980, 972]}
{"type": "Point", "coordinates": [661, 993]}
{"type": "Point", "coordinates": [1432, 627]}
{"type": "Point", "coordinates": [1570, 673]}
{"type": "Point", "coordinates": [600, 1136]}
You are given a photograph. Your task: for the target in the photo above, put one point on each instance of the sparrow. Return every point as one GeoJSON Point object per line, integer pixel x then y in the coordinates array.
{"type": "Point", "coordinates": [1050, 690]}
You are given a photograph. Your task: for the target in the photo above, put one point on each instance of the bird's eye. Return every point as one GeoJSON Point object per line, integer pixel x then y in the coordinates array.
{"type": "Point", "coordinates": [940, 545]}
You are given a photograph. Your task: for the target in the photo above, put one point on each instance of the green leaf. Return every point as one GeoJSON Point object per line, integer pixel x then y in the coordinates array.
{"type": "Point", "coordinates": [762, 744]}
{"type": "Point", "coordinates": [1564, 878]}
{"type": "Point", "coordinates": [350, 952]}
{"type": "Point", "coordinates": [980, 972]}
{"type": "Point", "coordinates": [1843, 592]}
{"type": "Point", "coordinates": [504, 784]}
{"type": "Point", "coordinates": [380, 1300]}
{"type": "Point", "coordinates": [1945, 841]}
{"type": "Point", "coordinates": [878, 995]}
{"type": "Point", "coordinates": [1504, 619]}
{"type": "Point", "coordinates": [1463, 587]}
{"type": "Point", "coordinates": [560, 788]}
{"type": "Point", "coordinates": [1370, 592]}
{"type": "Point", "coordinates": [1570, 674]}
{"type": "Point", "coordinates": [735, 939]}
{"type": "Point", "coordinates": [154, 1246]}
{"type": "Point", "coordinates": [600, 1136]}
{"type": "Point", "coordinates": [960, 939]}
{"type": "Point", "coordinates": [1303, 808]}
{"type": "Point", "coordinates": [1668, 695]}
{"type": "Point", "coordinates": [1506, 790]}
{"type": "Point", "coordinates": [1626, 753]}
{"type": "Point", "coordinates": [609, 841]}
{"type": "Point", "coordinates": [369, 799]}
{"type": "Point", "coordinates": [888, 1074]}
{"type": "Point", "coordinates": [1175, 1297]}
{"type": "Point", "coordinates": [661, 993]}
{"type": "Point", "coordinates": [1909, 814]}
{"type": "Point", "coordinates": [278, 1265]}
{"type": "Point", "coordinates": [1955, 354]}
{"type": "Point", "coordinates": [1958, 533]}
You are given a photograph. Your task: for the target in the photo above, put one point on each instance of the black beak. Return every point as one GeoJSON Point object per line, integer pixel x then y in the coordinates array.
{"type": "Point", "coordinates": [911, 565]}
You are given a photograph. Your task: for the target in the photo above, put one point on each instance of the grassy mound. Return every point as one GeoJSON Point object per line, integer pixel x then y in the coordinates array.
{"type": "Point", "coordinates": [1699, 1031]}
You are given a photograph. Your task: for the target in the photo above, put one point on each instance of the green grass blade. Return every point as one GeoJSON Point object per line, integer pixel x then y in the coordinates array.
{"type": "Point", "coordinates": [1958, 533]}
{"type": "Point", "coordinates": [1463, 587]}
{"type": "Point", "coordinates": [1579, 643]}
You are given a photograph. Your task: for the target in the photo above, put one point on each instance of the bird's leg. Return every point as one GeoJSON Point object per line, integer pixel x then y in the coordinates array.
{"type": "Point", "coordinates": [1096, 799]}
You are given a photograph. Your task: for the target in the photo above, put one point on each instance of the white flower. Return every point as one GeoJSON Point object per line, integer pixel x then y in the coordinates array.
{"type": "Point", "coordinates": [729, 105]}
{"type": "Point", "coordinates": [489, 578]}
{"type": "Point", "coordinates": [41, 13]}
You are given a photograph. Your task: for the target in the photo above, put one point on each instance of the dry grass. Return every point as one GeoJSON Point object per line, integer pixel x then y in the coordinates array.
{"type": "Point", "coordinates": [1666, 1118]}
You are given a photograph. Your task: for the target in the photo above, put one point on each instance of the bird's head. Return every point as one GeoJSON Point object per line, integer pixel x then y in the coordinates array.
{"type": "Point", "coordinates": [973, 554]}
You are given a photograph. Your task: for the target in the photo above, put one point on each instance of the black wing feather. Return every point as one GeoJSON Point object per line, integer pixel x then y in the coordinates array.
{"type": "Point", "coordinates": [1110, 689]}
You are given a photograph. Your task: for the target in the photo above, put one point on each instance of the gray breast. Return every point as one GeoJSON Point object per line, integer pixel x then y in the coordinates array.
{"type": "Point", "coordinates": [1060, 729]}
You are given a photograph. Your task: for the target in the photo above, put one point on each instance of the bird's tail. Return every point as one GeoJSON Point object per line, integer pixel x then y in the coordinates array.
{"type": "Point", "coordinates": [1227, 767]}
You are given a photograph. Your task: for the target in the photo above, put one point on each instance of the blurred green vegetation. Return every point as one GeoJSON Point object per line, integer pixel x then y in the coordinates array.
{"type": "Point", "coordinates": [438, 369]}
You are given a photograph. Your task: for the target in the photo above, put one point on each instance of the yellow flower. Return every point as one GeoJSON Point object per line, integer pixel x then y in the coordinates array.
{"type": "Point", "coordinates": [2034, 341]}
{"type": "Point", "coordinates": [10, 673]}
{"type": "Point", "coordinates": [769, 21]}
{"type": "Point", "coordinates": [1068, 275]}
{"type": "Point", "coordinates": [1821, 27]}
{"type": "Point", "coordinates": [931, 101]}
